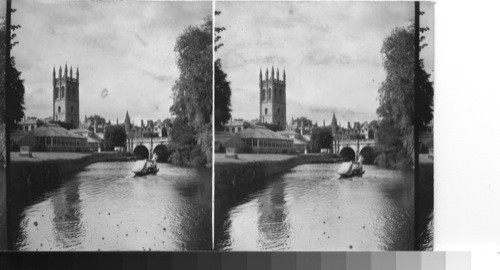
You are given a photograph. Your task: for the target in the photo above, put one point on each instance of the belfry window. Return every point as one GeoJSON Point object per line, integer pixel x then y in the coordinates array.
{"type": "Point", "coordinates": [265, 111]}
{"type": "Point", "coordinates": [57, 92]}
{"type": "Point", "coordinates": [62, 92]}
{"type": "Point", "coordinates": [59, 109]}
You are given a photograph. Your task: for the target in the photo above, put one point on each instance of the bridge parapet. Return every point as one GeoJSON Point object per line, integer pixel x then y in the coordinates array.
{"type": "Point", "coordinates": [364, 141]}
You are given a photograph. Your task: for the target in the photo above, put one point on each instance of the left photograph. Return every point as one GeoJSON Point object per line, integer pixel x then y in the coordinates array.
{"type": "Point", "coordinates": [110, 128]}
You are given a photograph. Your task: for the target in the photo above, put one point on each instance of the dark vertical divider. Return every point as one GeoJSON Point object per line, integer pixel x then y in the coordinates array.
{"type": "Point", "coordinates": [7, 133]}
{"type": "Point", "coordinates": [416, 180]}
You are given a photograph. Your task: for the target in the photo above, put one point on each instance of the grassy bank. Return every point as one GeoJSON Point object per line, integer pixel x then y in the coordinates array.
{"type": "Point", "coordinates": [236, 175]}
{"type": "Point", "coordinates": [46, 169]}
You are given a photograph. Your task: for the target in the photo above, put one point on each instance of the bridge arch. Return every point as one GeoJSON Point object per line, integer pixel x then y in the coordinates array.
{"type": "Point", "coordinates": [348, 153]}
{"type": "Point", "coordinates": [141, 151]}
{"type": "Point", "coordinates": [368, 154]}
{"type": "Point", "coordinates": [163, 152]}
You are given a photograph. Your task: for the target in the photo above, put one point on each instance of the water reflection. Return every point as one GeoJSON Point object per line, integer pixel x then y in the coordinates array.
{"type": "Point", "coordinates": [309, 208]}
{"type": "Point", "coordinates": [105, 207]}
{"type": "Point", "coordinates": [272, 221]}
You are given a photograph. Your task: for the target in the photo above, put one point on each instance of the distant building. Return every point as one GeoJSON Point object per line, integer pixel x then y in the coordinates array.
{"type": "Point", "coordinates": [150, 129]}
{"type": "Point", "coordinates": [27, 124]}
{"type": "Point", "coordinates": [264, 140]}
{"type": "Point", "coordinates": [93, 141]}
{"type": "Point", "coordinates": [54, 138]}
{"type": "Point", "coordinates": [300, 143]}
{"type": "Point", "coordinates": [236, 126]}
{"type": "Point", "coordinates": [358, 130]}
{"type": "Point", "coordinates": [224, 140]}
{"type": "Point", "coordinates": [66, 102]}
{"type": "Point", "coordinates": [273, 99]}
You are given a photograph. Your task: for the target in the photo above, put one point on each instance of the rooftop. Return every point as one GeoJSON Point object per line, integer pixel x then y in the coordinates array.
{"type": "Point", "coordinates": [54, 131]}
{"type": "Point", "coordinates": [260, 132]}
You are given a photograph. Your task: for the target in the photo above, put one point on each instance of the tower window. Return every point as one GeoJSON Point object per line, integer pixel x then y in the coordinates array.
{"type": "Point", "coordinates": [57, 92]}
{"type": "Point", "coordinates": [265, 111]}
{"type": "Point", "coordinates": [62, 92]}
{"type": "Point", "coordinates": [263, 94]}
{"type": "Point", "coordinates": [275, 93]}
{"type": "Point", "coordinates": [71, 108]}
{"type": "Point", "coordinates": [279, 110]}
{"type": "Point", "coordinates": [59, 109]}
{"type": "Point", "coordinates": [269, 94]}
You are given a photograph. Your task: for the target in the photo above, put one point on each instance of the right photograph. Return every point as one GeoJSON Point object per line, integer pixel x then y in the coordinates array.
{"type": "Point", "coordinates": [323, 126]}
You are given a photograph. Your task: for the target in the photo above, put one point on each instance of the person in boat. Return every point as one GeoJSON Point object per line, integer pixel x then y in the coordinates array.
{"type": "Point", "coordinates": [153, 160]}
{"type": "Point", "coordinates": [359, 163]}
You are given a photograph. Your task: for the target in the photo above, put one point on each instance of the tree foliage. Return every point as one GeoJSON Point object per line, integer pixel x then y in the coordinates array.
{"type": "Point", "coordinates": [96, 119]}
{"type": "Point", "coordinates": [222, 86]}
{"type": "Point", "coordinates": [397, 94]}
{"type": "Point", "coordinates": [12, 94]}
{"type": "Point", "coordinates": [302, 120]}
{"type": "Point", "coordinates": [114, 136]}
{"type": "Point", "coordinates": [321, 138]}
{"type": "Point", "coordinates": [192, 92]}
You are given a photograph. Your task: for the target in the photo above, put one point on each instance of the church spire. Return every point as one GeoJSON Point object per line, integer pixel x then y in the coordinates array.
{"type": "Point", "coordinates": [71, 72]}
{"type": "Point", "coordinates": [60, 72]}
{"type": "Point", "coordinates": [284, 75]}
{"type": "Point", "coordinates": [77, 73]}
{"type": "Point", "coordinates": [278, 74]}
{"type": "Point", "coordinates": [66, 70]}
{"type": "Point", "coordinates": [272, 73]}
{"type": "Point", "coordinates": [260, 78]}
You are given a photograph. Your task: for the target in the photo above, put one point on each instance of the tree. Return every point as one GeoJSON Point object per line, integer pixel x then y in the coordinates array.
{"type": "Point", "coordinates": [192, 92]}
{"type": "Point", "coordinates": [397, 94]}
{"type": "Point", "coordinates": [96, 119]}
{"type": "Point", "coordinates": [114, 136]}
{"type": "Point", "coordinates": [222, 86]}
{"type": "Point", "coordinates": [183, 133]}
{"type": "Point", "coordinates": [321, 138]}
{"type": "Point", "coordinates": [13, 93]}
{"type": "Point", "coordinates": [302, 120]}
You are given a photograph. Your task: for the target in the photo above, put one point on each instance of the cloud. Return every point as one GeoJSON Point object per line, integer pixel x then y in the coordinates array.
{"type": "Point", "coordinates": [331, 52]}
{"type": "Point", "coordinates": [124, 47]}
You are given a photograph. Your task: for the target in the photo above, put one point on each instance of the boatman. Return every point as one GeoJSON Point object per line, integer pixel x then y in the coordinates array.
{"type": "Point", "coordinates": [153, 160]}
{"type": "Point", "coordinates": [360, 162]}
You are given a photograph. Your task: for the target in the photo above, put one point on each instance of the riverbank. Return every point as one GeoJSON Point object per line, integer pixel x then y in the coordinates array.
{"type": "Point", "coordinates": [45, 169]}
{"type": "Point", "coordinates": [233, 175]}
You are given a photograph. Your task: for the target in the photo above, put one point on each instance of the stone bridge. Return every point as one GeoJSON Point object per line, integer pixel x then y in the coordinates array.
{"type": "Point", "coordinates": [145, 147]}
{"type": "Point", "coordinates": [351, 149]}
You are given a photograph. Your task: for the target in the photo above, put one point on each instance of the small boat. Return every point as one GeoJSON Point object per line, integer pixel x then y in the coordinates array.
{"type": "Point", "coordinates": [144, 167]}
{"type": "Point", "coordinates": [350, 169]}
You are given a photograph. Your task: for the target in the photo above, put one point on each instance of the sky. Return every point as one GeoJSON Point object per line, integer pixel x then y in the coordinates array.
{"type": "Point", "coordinates": [124, 52]}
{"type": "Point", "coordinates": [330, 50]}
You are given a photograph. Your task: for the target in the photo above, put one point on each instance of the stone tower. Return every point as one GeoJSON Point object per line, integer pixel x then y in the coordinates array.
{"type": "Point", "coordinates": [66, 101]}
{"type": "Point", "coordinates": [273, 99]}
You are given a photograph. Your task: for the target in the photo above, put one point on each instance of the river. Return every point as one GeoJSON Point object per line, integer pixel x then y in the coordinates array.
{"type": "Point", "coordinates": [309, 208]}
{"type": "Point", "coordinates": [104, 207]}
